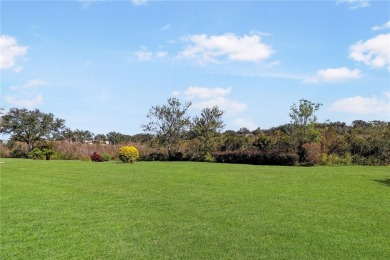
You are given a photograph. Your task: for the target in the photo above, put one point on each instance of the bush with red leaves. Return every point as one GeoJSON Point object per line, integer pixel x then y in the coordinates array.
{"type": "Point", "coordinates": [95, 157]}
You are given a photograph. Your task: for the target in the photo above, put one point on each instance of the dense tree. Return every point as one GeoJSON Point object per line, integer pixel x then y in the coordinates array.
{"type": "Point", "coordinates": [168, 122]}
{"type": "Point", "coordinates": [30, 126]}
{"type": "Point", "coordinates": [82, 136]}
{"type": "Point", "coordinates": [100, 138]}
{"type": "Point", "coordinates": [206, 127]}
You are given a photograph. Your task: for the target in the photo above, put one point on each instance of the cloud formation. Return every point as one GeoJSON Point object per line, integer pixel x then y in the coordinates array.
{"type": "Point", "coordinates": [335, 75]}
{"type": "Point", "coordinates": [139, 2]}
{"type": "Point", "coordinates": [24, 96]}
{"type": "Point", "coordinates": [203, 97]}
{"type": "Point", "coordinates": [374, 52]}
{"type": "Point", "coordinates": [30, 84]}
{"type": "Point", "coordinates": [363, 105]}
{"type": "Point", "coordinates": [145, 55]}
{"type": "Point", "coordinates": [228, 46]}
{"type": "Point", "coordinates": [9, 51]}
{"type": "Point", "coordinates": [381, 27]}
{"type": "Point", "coordinates": [27, 103]}
{"type": "Point", "coordinates": [244, 122]}
{"type": "Point", "coordinates": [355, 4]}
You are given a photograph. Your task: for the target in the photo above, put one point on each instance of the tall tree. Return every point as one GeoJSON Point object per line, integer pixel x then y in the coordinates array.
{"type": "Point", "coordinates": [30, 126]}
{"type": "Point", "coordinates": [168, 122]}
{"type": "Point", "coordinates": [303, 116]}
{"type": "Point", "coordinates": [207, 126]}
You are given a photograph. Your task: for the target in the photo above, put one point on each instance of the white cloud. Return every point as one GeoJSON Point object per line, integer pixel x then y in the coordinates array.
{"type": "Point", "coordinates": [29, 84]}
{"type": "Point", "coordinates": [18, 69]}
{"type": "Point", "coordinates": [244, 122]}
{"type": "Point", "coordinates": [205, 48]}
{"type": "Point", "coordinates": [333, 75]}
{"type": "Point", "coordinates": [27, 103]}
{"type": "Point", "coordinates": [139, 2]}
{"type": "Point", "coordinates": [363, 105]}
{"type": "Point", "coordinates": [175, 93]}
{"type": "Point", "coordinates": [206, 93]}
{"type": "Point", "coordinates": [374, 52]}
{"type": "Point", "coordinates": [354, 4]}
{"type": "Point", "coordinates": [144, 55]}
{"type": "Point", "coordinates": [381, 27]}
{"type": "Point", "coordinates": [166, 27]}
{"type": "Point", "coordinates": [9, 50]}
{"type": "Point", "coordinates": [161, 54]}
{"type": "Point", "coordinates": [203, 97]}
{"type": "Point", "coordinates": [227, 105]}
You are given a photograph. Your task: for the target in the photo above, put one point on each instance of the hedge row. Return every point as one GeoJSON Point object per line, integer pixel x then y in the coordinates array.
{"type": "Point", "coordinates": [256, 157]}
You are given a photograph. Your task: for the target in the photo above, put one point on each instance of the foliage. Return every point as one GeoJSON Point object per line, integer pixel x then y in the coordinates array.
{"type": "Point", "coordinates": [256, 157]}
{"type": "Point", "coordinates": [30, 126]}
{"type": "Point", "coordinates": [334, 159]}
{"type": "Point", "coordinates": [303, 118]}
{"type": "Point", "coordinates": [36, 153]}
{"type": "Point", "coordinates": [79, 151]}
{"type": "Point", "coordinates": [311, 154]}
{"type": "Point", "coordinates": [128, 154]}
{"type": "Point", "coordinates": [106, 157]}
{"type": "Point", "coordinates": [95, 157]}
{"type": "Point", "coordinates": [206, 127]}
{"type": "Point", "coordinates": [168, 122]}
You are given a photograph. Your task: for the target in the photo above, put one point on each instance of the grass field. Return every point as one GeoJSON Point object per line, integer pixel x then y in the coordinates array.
{"type": "Point", "coordinates": [184, 210]}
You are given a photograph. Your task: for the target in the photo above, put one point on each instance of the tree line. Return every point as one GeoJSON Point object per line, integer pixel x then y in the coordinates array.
{"type": "Point", "coordinates": [170, 134]}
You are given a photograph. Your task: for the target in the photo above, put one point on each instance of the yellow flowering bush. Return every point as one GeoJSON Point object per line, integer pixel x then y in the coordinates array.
{"type": "Point", "coordinates": [128, 154]}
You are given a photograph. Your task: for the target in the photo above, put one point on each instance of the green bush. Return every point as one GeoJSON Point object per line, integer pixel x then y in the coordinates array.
{"type": "Point", "coordinates": [256, 157]}
{"type": "Point", "coordinates": [128, 154]}
{"type": "Point", "coordinates": [106, 157]}
{"type": "Point", "coordinates": [36, 153]}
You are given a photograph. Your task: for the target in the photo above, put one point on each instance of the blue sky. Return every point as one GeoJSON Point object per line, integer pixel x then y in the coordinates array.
{"type": "Point", "coordinates": [101, 65]}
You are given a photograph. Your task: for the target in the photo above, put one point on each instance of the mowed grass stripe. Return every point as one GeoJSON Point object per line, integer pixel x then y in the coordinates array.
{"type": "Point", "coordinates": [153, 210]}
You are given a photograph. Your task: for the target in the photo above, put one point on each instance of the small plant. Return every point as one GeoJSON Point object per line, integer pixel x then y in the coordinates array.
{"type": "Point", "coordinates": [95, 157]}
{"type": "Point", "coordinates": [106, 157]}
{"type": "Point", "coordinates": [36, 153]}
{"type": "Point", "coordinates": [47, 153]}
{"type": "Point", "coordinates": [128, 154]}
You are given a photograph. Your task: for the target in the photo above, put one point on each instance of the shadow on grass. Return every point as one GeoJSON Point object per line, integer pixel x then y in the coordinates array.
{"type": "Point", "coordinates": [385, 182]}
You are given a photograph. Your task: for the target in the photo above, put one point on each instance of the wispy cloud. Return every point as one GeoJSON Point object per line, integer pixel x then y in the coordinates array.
{"type": "Point", "coordinates": [30, 84]}
{"type": "Point", "coordinates": [244, 122]}
{"type": "Point", "coordinates": [203, 97]}
{"type": "Point", "coordinates": [385, 26]}
{"type": "Point", "coordinates": [374, 52]}
{"type": "Point", "coordinates": [9, 51]}
{"type": "Point", "coordinates": [139, 2]}
{"type": "Point", "coordinates": [166, 27]}
{"type": "Point", "coordinates": [23, 95]}
{"type": "Point", "coordinates": [363, 105]}
{"type": "Point", "coordinates": [217, 48]}
{"type": "Point", "coordinates": [206, 93]}
{"type": "Point", "coordinates": [355, 4]}
{"type": "Point", "coordinates": [335, 75]}
{"type": "Point", "coordinates": [144, 55]}
{"type": "Point", "coordinates": [27, 103]}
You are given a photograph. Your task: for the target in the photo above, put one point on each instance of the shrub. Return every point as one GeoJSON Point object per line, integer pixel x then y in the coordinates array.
{"type": "Point", "coordinates": [128, 154]}
{"type": "Point", "coordinates": [95, 157]}
{"type": "Point", "coordinates": [311, 154]}
{"type": "Point", "coordinates": [256, 157]}
{"type": "Point", "coordinates": [36, 153]}
{"type": "Point", "coordinates": [154, 156]}
{"type": "Point", "coordinates": [106, 157]}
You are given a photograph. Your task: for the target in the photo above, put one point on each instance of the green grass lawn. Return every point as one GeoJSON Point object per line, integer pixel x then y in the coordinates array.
{"type": "Point", "coordinates": [184, 210]}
